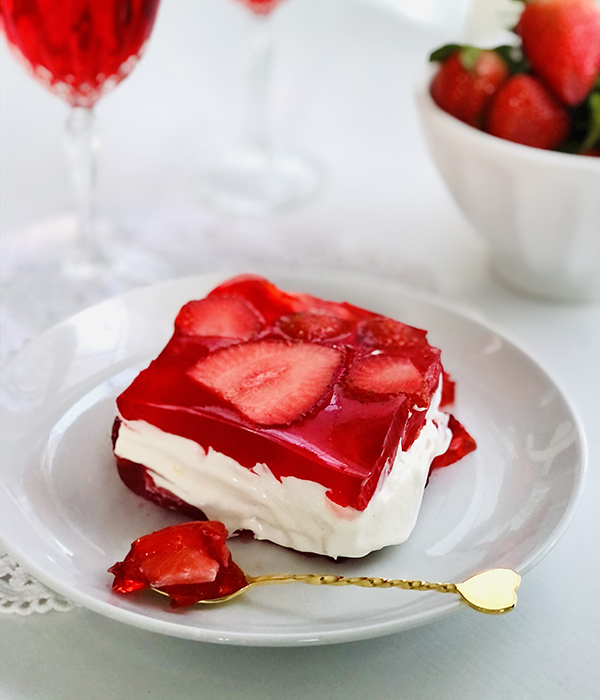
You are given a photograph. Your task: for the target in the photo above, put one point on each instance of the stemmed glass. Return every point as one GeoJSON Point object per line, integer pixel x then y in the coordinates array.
{"type": "Point", "coordinates": [256, 178]}
{"type": "Point", "coordinates": [80, 49]}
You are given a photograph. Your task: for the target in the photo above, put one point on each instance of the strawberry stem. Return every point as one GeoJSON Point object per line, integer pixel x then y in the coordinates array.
{"type": "Point", "coordinates": [469, 56]}
{"type": "Point", "coordinates": [593, 135]}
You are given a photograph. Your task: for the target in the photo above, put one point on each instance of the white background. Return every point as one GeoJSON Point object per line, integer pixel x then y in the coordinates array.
{"type": "Point", "coordinates": [344, 77]}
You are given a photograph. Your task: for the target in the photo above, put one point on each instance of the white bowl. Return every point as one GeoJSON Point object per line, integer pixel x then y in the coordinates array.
{"type": "Point", "coordinates": [538, 210]}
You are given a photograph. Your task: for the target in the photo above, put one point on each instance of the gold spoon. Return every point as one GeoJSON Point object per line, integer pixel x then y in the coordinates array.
{"type": "Point", "coordinates": [491, 592]}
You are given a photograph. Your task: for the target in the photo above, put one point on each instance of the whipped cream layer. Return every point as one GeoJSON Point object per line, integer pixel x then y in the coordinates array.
{"type": "Point", "coordinates": [292, 512]}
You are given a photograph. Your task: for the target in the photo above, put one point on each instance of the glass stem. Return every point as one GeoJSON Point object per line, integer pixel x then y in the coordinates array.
{"type": "Point", "coordinates": [83, 149]}
{"type": "Point", "coordinates": [258, 84]}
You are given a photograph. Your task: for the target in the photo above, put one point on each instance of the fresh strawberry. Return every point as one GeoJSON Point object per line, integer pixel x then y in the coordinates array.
{"type": "Point", "coordinates": [189, 562]}
{"type": "Point", "coordinates": [386, 333]}
{"type": "Point", "coordinates": [221, 316]}
{"type": "Point", "coordinates": [466, 81]}
{"type": "Point", "coordinates": [312, 325]}
{"type": "Point", "coordinates": [380, 375]}
{"type": "Point", "coordinates": [561, 39]}
{"type": "Point", "coordinates": [270, 381]}
{"type": "Point", "coordinates": [525, 112]}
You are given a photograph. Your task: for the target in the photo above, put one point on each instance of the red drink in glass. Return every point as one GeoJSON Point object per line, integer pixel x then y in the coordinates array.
{"type": "Point", "coordinates": [79, 48]}
{"type": "Point", "coordinates": [261, 7]}
{"type": "Point", "coordinates": [258, 178]}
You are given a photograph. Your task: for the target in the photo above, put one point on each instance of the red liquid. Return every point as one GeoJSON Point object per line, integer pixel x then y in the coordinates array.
{"type": "Point", "coordinates": [343, 443]}
{"type": "Point", "coordinates": [261, 7]}
{"type": "Point", "coordinates": [79, 48]}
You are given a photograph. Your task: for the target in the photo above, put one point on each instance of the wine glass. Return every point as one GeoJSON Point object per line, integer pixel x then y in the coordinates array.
{"type": "Point", "coordinates": [256, 178]}
{"type": "Point", "coordinates": [80, 49]}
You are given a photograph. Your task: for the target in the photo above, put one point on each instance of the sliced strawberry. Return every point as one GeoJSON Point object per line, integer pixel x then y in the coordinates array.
{"type": "Point", "coordinates": [378, 375]}
{"type": "Point", "coordinates": [315, 324]}
{"type": "Point", "coordinates": [180, 566]}
{"type": "Point", "coordinates": [270, 381]}
{"type": "Point", "coordinates": [385, 333]}
{"type": "Point", "coordinates": [466, 80]}
{"type": "Point", "coordinates": [561, 39]}
{"type": "Point", "coordinates": [525, 112]}
{"type": "Point", "coordinates": [189, 562]}
{"type": "Point", "coordinates": [271, 301]}
{"type": "Point", "coordinates": [220, 316]}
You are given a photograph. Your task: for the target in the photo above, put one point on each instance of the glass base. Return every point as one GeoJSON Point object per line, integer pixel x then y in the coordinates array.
{"type": "Point", "coordinates": [256, 183]}
{"type": "Point", "coordinates": [80, 266]}
{"type": "Point", "coordinates": [44, 279]}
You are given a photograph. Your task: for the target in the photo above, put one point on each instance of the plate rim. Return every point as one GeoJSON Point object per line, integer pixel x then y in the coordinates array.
{"type": "Point", "coordinates": [368, 631]}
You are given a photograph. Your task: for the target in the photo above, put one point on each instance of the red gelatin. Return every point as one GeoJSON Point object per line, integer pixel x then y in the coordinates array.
{"type": "Point", "coordinates": [321, 391]}
{"type": "Point", "coordinates": [189, 562]}
{"type": "Point", "coordinates": [462, 443]}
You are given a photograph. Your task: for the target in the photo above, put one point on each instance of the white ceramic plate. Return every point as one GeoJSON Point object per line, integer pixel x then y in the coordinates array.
{"type": "Point", "coordinates": [66, 516]}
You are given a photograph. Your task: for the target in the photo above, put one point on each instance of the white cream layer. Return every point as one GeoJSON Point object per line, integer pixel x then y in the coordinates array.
{"type": "Point", "coordinates": [292, 512]}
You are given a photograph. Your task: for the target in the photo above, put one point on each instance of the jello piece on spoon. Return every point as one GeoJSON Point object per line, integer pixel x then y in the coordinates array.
{"type": "Point", "coordinates": [191, 563]}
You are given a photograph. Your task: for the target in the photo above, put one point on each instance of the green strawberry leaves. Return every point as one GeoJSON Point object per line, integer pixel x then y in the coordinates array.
{"type": "Point", "coordinates": [443, 52]}
{"type": "Point", "coordinates": [514, 58]}
{"type": "Point", "coordinates": [593, 136]}
{"type": "Point", "coordinates": [468, 54]}
{"type": "Point", "coordinates": [511, 55]}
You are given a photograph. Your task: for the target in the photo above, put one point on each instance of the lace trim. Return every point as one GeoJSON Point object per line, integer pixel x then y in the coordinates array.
{"type": "Point", "coordinates": [22, 595]}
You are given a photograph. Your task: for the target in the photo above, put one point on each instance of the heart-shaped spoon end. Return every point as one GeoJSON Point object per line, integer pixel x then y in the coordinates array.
{"type": "Point", "coordinates": [492, 592]}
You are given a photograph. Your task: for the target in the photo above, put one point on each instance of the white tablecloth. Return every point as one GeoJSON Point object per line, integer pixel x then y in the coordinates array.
{"type": "Point", "coordinates": [343, 91]}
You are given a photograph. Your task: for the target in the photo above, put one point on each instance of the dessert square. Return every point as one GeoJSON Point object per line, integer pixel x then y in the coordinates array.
{"type": "Point", "coordinates": [310, 423]}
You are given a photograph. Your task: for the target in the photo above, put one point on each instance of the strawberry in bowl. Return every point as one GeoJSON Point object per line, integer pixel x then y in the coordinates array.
{"type": "Point", "coordinates": [510, 129]}
{"type": "Point", "coordinates": [542, 92]}
{"type": "Point", "coordinates": [561, 40]}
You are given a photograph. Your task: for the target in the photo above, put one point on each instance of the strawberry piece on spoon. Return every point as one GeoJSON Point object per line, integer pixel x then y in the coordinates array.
{"type": "Point", "coordinates": [188, 562]}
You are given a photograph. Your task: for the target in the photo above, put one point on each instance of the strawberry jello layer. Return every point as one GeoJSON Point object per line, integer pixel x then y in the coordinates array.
{"type": "Point", "coordinates": [311, 423]}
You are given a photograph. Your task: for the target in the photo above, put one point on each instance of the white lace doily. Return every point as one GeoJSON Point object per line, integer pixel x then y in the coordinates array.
{"type": "Point", "coordinates": [23, 595]}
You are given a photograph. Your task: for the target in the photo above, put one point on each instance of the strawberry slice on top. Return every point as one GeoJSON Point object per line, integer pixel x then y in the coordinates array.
{"type": "Point", "coordinates": [315, 324]}
{"type": "Point", "coordinates": [379, 375]}
{"type": "Point", "coordinates": [386, 333]}
{"type": "Point", "coordinates": [269, 381]}
{"type": "Point", "coordinates": [261, 295]}
{"type": "Point", "coordinates": [222, 316]}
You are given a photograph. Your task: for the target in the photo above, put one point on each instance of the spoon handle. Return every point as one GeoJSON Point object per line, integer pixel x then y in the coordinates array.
{"type": "Point", "coordinates": [491, 592]}
{"type": "Point", "coordinates": [363, 581]}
